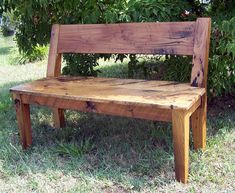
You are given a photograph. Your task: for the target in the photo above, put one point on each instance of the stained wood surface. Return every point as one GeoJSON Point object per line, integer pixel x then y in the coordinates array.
{"type": "Point", "coordinates": [54, 59]}
{"type": "Point", "coordinates": [23, 120]}
{"type": "Point", "coordinates": [198, 122]}
{"type": "Point", "coordinates": [58, 117]}
{"type": "Point", "coordinates": [132, 38]}
{"type": "Point", "coordinates": [161, 94]}
{"type": "Point", "coordinates": [142, 112]}
{"type": "Point", "coordinates": [180, 127]}
{"type": "Point", "coordinates": [54, 70]}
{"type": "Point", "coordinates": [201, 52]}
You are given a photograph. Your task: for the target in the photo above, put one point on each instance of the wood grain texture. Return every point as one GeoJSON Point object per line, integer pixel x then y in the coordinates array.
{"type": "Point", "coordinates": [142, 112]}
{"type": "Point", "coordinates": [54, 70]}
{"type": "Point", "coordinates": [180, 126]}
{"type": "Point", "coordinates": [159, 94]}
{"type": "Point", "coordinates": [58, 117]}
{"type": "Point", "coordinates": [54, 59]}
{"type": "Point", "coordinates": [201, 52]}
{"type": "Point", "coordinates": [194, 107]}
{"type": "Point", "coordinates": [23, 119]}
{"type": "Point", "coordinates": [128, 38]}
{"type": "Point", "coordinates": [198, 122]}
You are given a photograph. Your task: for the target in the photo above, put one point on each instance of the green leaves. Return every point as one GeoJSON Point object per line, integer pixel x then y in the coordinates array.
{"type": "Point", "coordinates": [221, 76]}
{"type": "Point", "coordinates": [80, 64]}
{"type": "Point", "coordinates": [228, 33]}
{"type": "Point", "coordinates": [34, 20]}
{"type": "Point", "coordinates": [153, 10]}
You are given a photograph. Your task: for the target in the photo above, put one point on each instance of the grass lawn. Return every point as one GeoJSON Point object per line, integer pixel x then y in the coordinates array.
{"type": "Point", "coordinates": [97, 153]}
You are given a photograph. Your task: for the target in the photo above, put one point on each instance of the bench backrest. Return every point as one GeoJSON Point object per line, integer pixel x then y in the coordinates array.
{"type": "Point", "coordinates": [175, 38]}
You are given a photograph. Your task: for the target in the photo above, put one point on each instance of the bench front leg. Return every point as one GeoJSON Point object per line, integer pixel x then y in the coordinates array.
{"type": "Point", "coordinates": [180, 125]}
{"type": "Point", "coordinates": [58, 118]}
{"type": "Point", "coordinates": [198, 123]}
{"type": "Point", "coordinates": [24, 123]}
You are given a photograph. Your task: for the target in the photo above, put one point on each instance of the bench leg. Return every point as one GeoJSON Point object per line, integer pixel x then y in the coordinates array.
{"type": "Point", "coordinates": [180, 123]}
{"type": "Point", "coordinates": [58, 118]}
{"type": "Point", "coordinates": [24, 124]}
{"type": "Point", "coordinates": [198, 123]}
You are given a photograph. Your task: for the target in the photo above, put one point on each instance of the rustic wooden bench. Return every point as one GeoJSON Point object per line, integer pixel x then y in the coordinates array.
{"type": "Point", "coordinates": [153, 100]}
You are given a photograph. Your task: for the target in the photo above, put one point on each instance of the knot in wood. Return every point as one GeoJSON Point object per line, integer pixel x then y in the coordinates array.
{"type": "Point", "coordinates": [90, 106]}
{"type": "Point", "coordinates": [16, 103]}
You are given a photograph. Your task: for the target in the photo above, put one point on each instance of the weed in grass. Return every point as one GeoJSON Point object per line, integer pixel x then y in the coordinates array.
{"type": "Point", "coordinates": [73, 149]}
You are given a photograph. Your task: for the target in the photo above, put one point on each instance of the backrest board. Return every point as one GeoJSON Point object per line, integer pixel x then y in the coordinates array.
{"type": "Point", "coordinates": [128, 38]}
{"type": "Point", "coordinates": [175, 38]}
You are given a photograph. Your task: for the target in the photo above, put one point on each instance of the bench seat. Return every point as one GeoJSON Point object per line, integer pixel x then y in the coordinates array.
{"type": "Point", "coordinates": [89, 92]}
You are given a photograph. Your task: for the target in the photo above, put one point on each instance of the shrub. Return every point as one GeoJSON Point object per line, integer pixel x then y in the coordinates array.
{"type": "Point", "coordinates": [34, 27]}
{"type": "Point", "coordinates": [80, 64]}
{"type": "Point", "coordinates": [221, 79]}
{"type": "Point", "coordinates": [37, 54]}
{"type": "Point", "coordinates": [178, 68]}
{"type": "Point", "coordinates": [172, 68]}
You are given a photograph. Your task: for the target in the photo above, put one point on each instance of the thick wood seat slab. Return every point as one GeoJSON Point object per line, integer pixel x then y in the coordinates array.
{"type": "Point", "coordinates": [159, 94]}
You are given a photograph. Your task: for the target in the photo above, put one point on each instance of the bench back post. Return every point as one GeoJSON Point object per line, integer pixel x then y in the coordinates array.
{"type": "Point", "coordinates": [54, 59]}
{"type": "Point", "coordinates": [201, 52]}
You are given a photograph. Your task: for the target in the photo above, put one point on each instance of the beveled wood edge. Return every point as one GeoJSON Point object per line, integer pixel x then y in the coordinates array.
{"type": "Point", "coordinates": [201, 52]}
{"type": "Point", "coordinates": [195, 106]}
{"type": "Point", "coordinates": [127, 110]}
{"type": "Point", "coordinates": [129, 23]}
{"type": "Point", "coordinates": [67, 97]}
{"type": "Point", "coordinates": [134, 111]}
{"type": "Point", "coordinates": [54, 58]}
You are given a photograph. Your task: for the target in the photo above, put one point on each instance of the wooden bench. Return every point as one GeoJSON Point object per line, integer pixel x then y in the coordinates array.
{"type": "Point", "coordinates": [153, 100]}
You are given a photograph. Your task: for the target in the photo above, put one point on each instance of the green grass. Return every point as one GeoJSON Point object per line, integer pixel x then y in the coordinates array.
{"type": "Point", "coordinates": [8, 50]}
{"type": "Point", "coordinates": [96, 153]}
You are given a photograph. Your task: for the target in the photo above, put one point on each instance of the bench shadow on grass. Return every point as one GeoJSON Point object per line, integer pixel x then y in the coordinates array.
{"type": "Point", "coordinates": [129, 152]}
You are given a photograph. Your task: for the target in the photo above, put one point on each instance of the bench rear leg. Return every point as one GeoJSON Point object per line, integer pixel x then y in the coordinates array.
{"type": "Point", "coordinates": [24, 124]}
{"type": "Point", "coordinates": [180, 123]}
{"type": "Point", "coordinates": [58, 118]}
{"type": "Point", "coordinates": [198, 123]}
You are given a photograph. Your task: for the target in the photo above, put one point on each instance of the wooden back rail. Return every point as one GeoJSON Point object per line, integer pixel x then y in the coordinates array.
{"type": "Point", "coordinates": [153, 100]}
